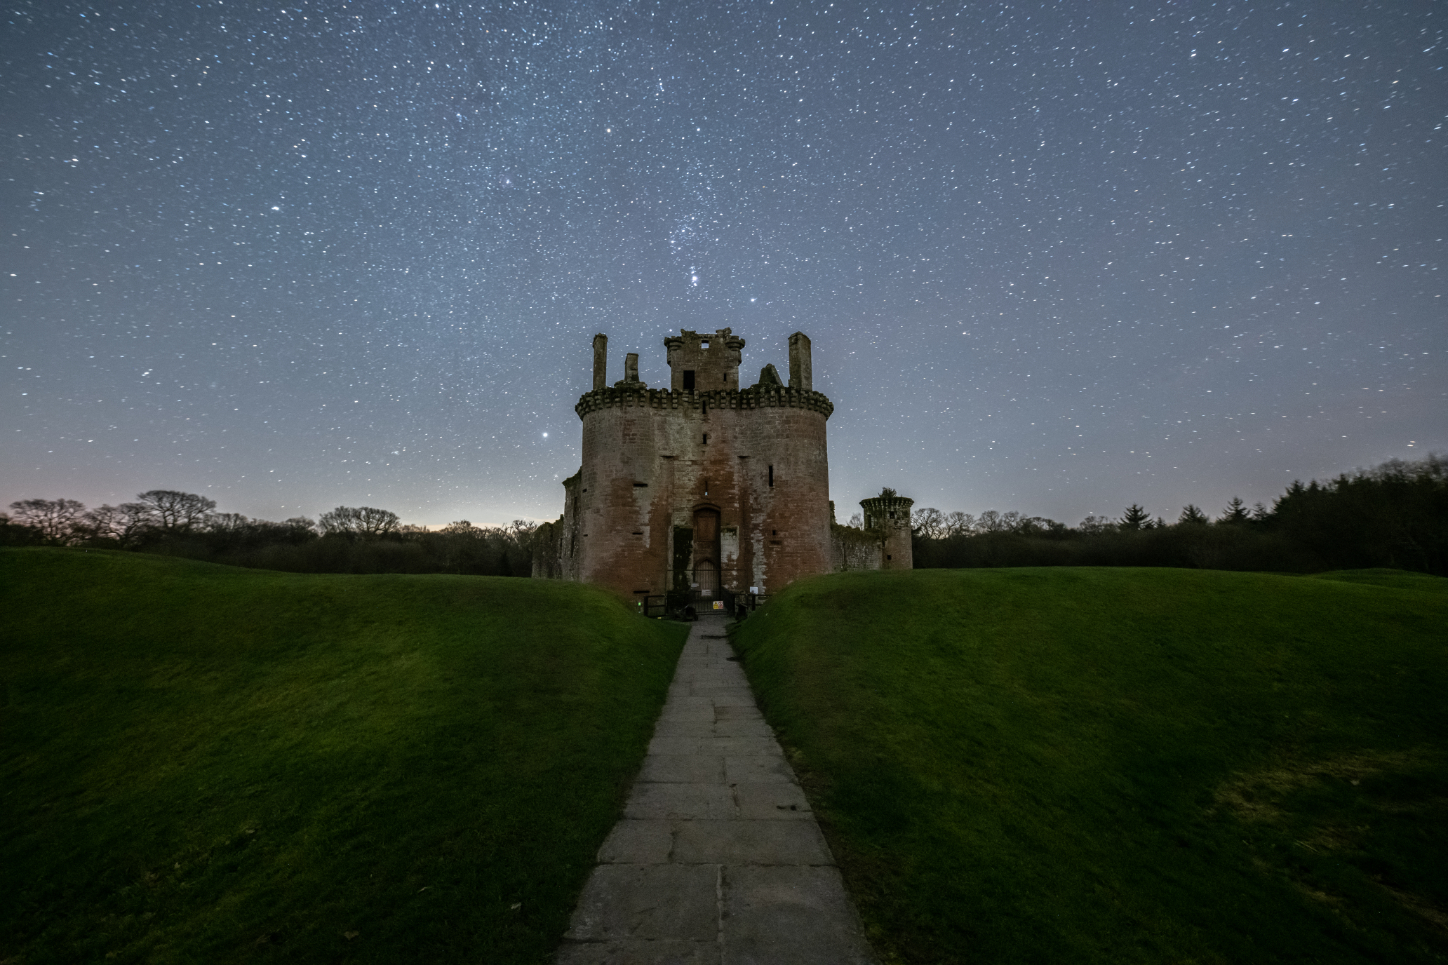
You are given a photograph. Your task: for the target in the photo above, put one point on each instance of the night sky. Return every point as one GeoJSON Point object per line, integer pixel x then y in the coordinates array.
{"type": "Point", "coordinates": [1053, 257]}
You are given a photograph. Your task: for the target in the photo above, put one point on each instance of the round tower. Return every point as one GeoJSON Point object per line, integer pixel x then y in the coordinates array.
{"type": "Point", "coordinates": [889, 515]}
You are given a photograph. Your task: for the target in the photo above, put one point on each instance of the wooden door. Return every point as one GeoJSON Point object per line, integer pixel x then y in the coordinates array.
{"type": "Point", "coordinates": [706, 552]}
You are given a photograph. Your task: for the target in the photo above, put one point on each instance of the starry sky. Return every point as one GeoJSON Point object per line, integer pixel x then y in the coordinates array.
{"type": "Point", "coordinates": [1053, 257]}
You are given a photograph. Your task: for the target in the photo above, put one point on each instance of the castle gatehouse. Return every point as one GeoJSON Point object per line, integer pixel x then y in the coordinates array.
{"type": "Point", "coordinates": [705, 488]}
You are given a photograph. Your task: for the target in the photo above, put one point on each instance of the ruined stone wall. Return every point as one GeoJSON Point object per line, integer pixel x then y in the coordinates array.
{"type": "Point", "coordinates": [703, 361]}
{"type": "Point", "coordinates": [556, 544]}
{"type": "Point", "coordinates": [546, 552]}
{"type": "Point", "coordinates": [569, 542]}
{"type": "Point", "coordinates": [884, 541]}
{"type": "Point", "coordinates": [855, 549]}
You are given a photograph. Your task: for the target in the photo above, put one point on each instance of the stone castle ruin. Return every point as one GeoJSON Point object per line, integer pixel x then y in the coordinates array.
{"type": "Point", "coordinates": [703, 488]}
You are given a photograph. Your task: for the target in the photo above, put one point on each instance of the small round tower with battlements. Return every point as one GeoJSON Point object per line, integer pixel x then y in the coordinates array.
{"type": "Point", "coordinates": [889, 515]}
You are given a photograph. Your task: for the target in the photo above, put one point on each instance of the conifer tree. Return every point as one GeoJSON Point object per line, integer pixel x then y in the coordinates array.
{"type": "Point", "coordinates": [1235, 513]}
{"type": "Point", "coordinates": [1135, 518]}
{"type": "Point", "coordinates": [1192, 515]}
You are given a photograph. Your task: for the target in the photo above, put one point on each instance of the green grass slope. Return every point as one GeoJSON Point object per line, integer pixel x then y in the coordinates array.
{"type": "Point", "coordinates": [1396, 579]}
{"type": "Point", "coordinates": [206, 764]}
{"type": "Point", "coordinates": [1123, 765]}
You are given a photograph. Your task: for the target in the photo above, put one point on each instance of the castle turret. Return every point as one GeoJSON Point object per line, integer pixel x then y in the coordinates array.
{"type": "Point", "coordinates": [704, 362]}
{"type": "Point", "coordinates": [889, 515]}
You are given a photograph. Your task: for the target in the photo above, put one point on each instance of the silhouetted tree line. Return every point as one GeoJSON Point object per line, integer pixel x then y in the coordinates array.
{"type": "Point", "coordinates": [1393, 515]}
{"type": "Point", "coordinates": [348, 539]}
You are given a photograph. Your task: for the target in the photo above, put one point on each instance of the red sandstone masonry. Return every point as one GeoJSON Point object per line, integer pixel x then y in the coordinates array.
{"type": "Point", "coordinates": [655, 458]}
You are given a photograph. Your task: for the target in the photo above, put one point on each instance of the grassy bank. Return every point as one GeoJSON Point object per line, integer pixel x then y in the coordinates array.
{"type": "Point", "coordinates": [200, 763]}
{"type": "Point", "coordinates": [1116, 765]}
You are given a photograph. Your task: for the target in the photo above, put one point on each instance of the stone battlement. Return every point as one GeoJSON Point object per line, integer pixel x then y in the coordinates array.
{"type": "Point", "coordinates": [754, 397]}
{"type": "Point", "coordinates": [887, 511]}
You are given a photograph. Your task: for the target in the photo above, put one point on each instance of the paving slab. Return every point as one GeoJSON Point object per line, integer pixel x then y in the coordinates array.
{"type": "Point", "coordinates": [776, 801]}
{"type": "Point", "coordinates": [801, 911]}
{"type": "Point", "coordinates": [679, 800]}
{"type": "Point", "coordinates": [691, 768]}
{"type": "Point", "coordinates": [757, 770]}
{"type": "Point", "coordinates": [654, 901]}
{"type": "Point", "coordinates": [750, 842]}
{"type": "Point", "coordinates": [723, 712]}
{"type": "Point", "coordinates": [640, 952]}
{"type": "Point", "coordinates": [734, 746]}
{"type": "Point", "coordinates": [737, 727]}
{"type": "Point", "coordinates": [638, 841]}
{"type": "Point", "coordinates": [718, 859]}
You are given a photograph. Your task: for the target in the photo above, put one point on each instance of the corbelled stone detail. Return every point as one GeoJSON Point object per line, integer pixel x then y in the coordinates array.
{"type": "Point", "coordinates": [754, 397]}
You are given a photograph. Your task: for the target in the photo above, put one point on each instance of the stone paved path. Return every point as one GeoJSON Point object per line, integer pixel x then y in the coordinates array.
{"type": "Point", "coordinates": [718, 859]}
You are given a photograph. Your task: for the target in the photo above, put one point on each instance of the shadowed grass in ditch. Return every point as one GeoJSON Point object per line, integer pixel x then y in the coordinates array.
{"type": "Point", "coordinates": [210, 764]}
{"type": "Point", "coordinates": [1117, 765]}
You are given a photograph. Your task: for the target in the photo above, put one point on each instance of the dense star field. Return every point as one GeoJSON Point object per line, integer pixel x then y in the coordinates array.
{"type": "Point", "coordinates": [1054, 257]}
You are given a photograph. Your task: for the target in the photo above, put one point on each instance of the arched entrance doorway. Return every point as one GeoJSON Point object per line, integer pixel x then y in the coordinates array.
{"type": "Point", "coordinates": [706, 553]}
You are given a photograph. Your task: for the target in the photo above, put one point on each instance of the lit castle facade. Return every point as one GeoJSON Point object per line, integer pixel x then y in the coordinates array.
{"type": "Point", "coordinates": [705, 487]}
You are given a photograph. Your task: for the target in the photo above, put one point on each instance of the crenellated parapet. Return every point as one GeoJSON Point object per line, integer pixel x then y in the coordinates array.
{"type": "Point", "coordinates": [632, 395]}
{"type": "Point", "coordinates": [887, 511]}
